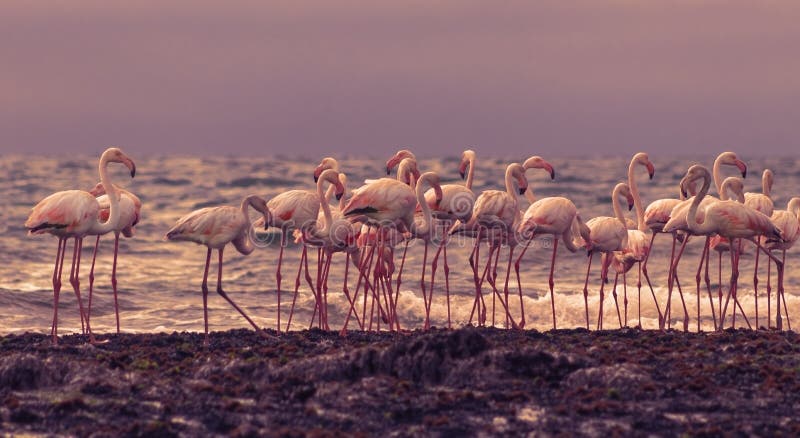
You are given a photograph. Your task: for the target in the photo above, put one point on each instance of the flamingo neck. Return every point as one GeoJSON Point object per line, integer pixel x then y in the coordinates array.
{"type": "Point", "coordinates": [326, 208]}
{"type": "Point", "coordinates": [470, 172]}
{"type": "Point", "coordinates": [510, 183]}
{"type": "Point", "coordinates": [766, 188]}
{"type": "Point", "coordinates": [427, 218]}
{"type": "Point", "coordinates": [717, 175]}
{"type": "Point", "coordinates": [691, 218]}
{"type": "Point", "coordinates": [617, 207]}
{"type": "Point", "coordinates": [637, 201]}
{"type": "Point", "coordinates": [794, 207]}
{"type": "Point", "coordinates": [113, 199]}
{"type": "Point", "coordinates": [245, 245]}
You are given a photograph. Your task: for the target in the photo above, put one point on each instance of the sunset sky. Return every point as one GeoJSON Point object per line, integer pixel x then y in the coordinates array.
{"type": "Point", "coordinates": [302, 78]}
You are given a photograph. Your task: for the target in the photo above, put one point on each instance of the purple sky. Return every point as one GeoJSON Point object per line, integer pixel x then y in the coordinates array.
{"type": "Point", "coordinates": [507, 77]}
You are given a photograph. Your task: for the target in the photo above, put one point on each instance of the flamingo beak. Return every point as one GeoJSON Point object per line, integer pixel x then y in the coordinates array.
{"type": "Point", "coordinates": [630, 203]}
{"type": "Point", "coordinates": [130, 165]}
{"type": "Point", "coordinates": [317, 173]}
{"type": "Point", "coordinates": [651, 170]}
{"type": "Point", "coordinates": [549, 167]}
{"type": "Point", "coordinates": [522, 190]}
{"type": "Point", "coordinates": [742, 167]}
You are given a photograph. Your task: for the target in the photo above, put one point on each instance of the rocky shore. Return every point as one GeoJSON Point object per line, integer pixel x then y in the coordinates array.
{"type": "Point", "coordinates": [440, 383]}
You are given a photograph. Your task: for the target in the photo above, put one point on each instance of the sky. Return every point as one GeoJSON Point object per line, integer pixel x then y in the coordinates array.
{"type": "Point", "coordinates": [364, 77]}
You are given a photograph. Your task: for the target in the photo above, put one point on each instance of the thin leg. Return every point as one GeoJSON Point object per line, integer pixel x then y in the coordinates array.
{"type": "Point", "coordinates": [647, 276]}
{"type": "Point", "coordinates": [586, 289]}
{"type": "Point", "coordinates": [113, 279]}
{"type": "Point", "coordinates": [708, 290]}
{"type": "Point", "coordinates": [297, 281]}
{"type": "Point", "coordinates": [59, 265]}
{"type": "Point", "coordinates": [755, 282]}
{"type": "Point", "coordinates": [91, 278]}
{"type": "Point", "coordinates": [519, 283]}
{"type": "Point", "coordinates": [205, 296]}
{"type": "Point", "coordinates": [769, 293]}
{"type": "Point", "coordinates": [278, 275]}
{"type": "Point", "coordinates": [447, 284]}
{"type": "Point", "coordinates": [76, 284]}
{"type": "Point", "coordinates": [703, 256]}
{"type": "Point", "coordinates": [229, 300]}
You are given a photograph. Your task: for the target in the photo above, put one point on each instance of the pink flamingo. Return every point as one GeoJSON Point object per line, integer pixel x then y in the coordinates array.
{"type": "Point", "coordinates": [553, 215]}
{"type": "Point", "coordinates": [326, 234]}
{"type": "Point", "coordinates": [215, 227]}
{"type": "Point", "coordinates": [732, 220]}
{"type": "Point", "coordinates": [637, 247]}
{"type": "Point", "coordinates": [390, 202]}
{"type": "Point", "coordinates": [73, 214]}
{"type": "Point", "coordinates": [678, 221]}
{"type": "Point", "coordinates": [761, 202]}
{"type": "Point", "coordinates": [130, 207]}
{"type": "Point", "coordinates": [456, 204]}
{"type": "Point", "coordinates": [289, 211]}
{"type": "Point", "coordinates": [494, 216]}
{"type": "Point", "coordinates": [735, 186]}
{"type": "Point", "coordinates": [787, 222]}
{"type": "Point", "coordinates": [607, 234]}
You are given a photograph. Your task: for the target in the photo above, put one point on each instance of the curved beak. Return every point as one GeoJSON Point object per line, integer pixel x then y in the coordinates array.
{"type": "Point", "coordinates": [522, 190]}
{"type": "Point", "coordinates": [630, 203]}
{"type": "Point", "coordinates": [463, 174]}
{"type": "Point", "coordinates": [317, 173]}
{"type": "Point", "coordinates": [549, 167]}
{"type": "Point", "coordinates": [742, 167]}
{"type": "Point", "coordinates": [651, 170]}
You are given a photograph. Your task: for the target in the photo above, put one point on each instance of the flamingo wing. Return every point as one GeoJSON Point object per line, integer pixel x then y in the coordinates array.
{"type": "Point", "coordinates": [66, 212]}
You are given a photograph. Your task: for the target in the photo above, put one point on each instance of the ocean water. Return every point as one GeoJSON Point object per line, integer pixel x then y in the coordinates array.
{"type": "Point", "coordinates": [159, 281]}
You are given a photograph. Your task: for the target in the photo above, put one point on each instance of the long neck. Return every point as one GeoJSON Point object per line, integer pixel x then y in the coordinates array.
{"type": "Point", "coordinates": [425, 227]}
{"type": "Point", "coordinates": [691, 218]}
{"type": "Point", "coordinates": [765, 188]}
{"type": "Point", "coordinates": [637, 201]}
{"type": "Point", "coordinates": [617, 207]}
{"type": "Point", "coordinates": [326, 208]}
{"type": "Point", "coordinates": [794, 207]}
{"type": "Point", "coordinates": [717, 176]}
{"type": "Point", "coordinates": [113, 199]}
{"type": "Point", "coordinates": [510, 183]}
{"type": "Point", "coordinates": [529, 194]}
{"type": "Point", "coordinates": [470, 172]}
{"type": "Point", "coordinates": [243, 243]}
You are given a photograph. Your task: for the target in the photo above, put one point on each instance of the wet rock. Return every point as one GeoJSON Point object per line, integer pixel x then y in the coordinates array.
{"type": "Point", "coordinates": [27, 371]}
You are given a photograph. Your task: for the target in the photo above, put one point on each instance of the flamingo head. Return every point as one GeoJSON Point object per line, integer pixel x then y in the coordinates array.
{"type": "Point", "coordinates": [407, 171]}
{"type": "Point", "coordinates": [621, 190]}
{"type": "Point", "coordinates": [332, 177]}
{"type": "Point", "coordinates": [537, 162]}
{"type": "Point", "coordinates": [730, 159]}
{"type": "Point", "coordinates": [115, 155]}
{"type": "Point", "coordinates": [434, 181]}
{"type": "Point", "coordinates": [694, 173]}
{"type": "Point", "coordinates": [517, 173]}
{"type": "Point", "coordinates": [467, 157]}
{"type": "Point", "coordinates": [735, 185]}
{"type": "Point", "coordinates": [643, 159]}
{"type": "Point", "coordinates": [767, 179]}
{"type": "Point", "coordinates": [325, 164]}
{"type": "Point", "coordinates": [397, 158]}
{"type": "Point", "coordinates": [98, 190]}
{"type": "Point", "coordinates": [259, 204]}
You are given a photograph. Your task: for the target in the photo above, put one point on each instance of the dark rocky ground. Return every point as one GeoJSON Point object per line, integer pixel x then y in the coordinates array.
{"type": "Point", "coordinates": [449, 383]}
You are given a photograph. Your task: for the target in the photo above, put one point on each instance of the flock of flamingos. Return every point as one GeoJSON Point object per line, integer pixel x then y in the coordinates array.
{"type": "Point", "coordinates": [384, 215]}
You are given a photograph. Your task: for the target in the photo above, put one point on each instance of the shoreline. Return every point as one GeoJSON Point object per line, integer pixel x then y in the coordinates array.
{"type": "Point", "coordinates": [464, 381]}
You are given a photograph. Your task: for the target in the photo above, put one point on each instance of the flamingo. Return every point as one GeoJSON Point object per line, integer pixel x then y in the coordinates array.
{"type": "Point", "coordinates": [732, 220]}
{"type": "Point", "coordinates": [73, 214]}
{"type": "Point", "coordinates": [552, 215]}
{"type": "Point", "coordinates": [763, 203]}
{"type": "Point", "coordinates": [130, 207]}
{"type": "Point", "coordinates": [399, 156]}
{"type": "Point", "coordinates": [787, 222]}
{"type": "Point", "coordinates": [294, 210]}
{"type": "Point", "coordinates": [607, 234]}
{"type": "Point", "coordinates": [327, 235]}
{"type": "Point", "coordinates": [456, 204]}
{"type": "Point", "coordinates": [496, 212]}
{"type": "Point", "coordinates": [679, 222]}
{"type": "Point", "coordinates": [721, 244]}
{"type": "Point", "coordinates": [215, 227]}
{"type": "Point", "coordinates": [388, 202]}
{"type": "Point", "coordinates": [637, 247]}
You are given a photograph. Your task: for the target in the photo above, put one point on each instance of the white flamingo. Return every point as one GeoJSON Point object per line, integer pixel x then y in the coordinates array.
{"type": "Point", "coordinates": [73, 214]}
{"type": "Point", "coordinates": [215, 227]}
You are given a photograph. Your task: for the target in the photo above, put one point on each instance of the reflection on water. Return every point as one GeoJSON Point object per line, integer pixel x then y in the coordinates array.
{"type": "Point", "coordinates": [159, 281]}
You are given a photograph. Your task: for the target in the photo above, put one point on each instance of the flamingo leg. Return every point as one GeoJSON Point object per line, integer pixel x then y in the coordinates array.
{"type": "Point", "coordinates": [402, 264]}
{"type": "Point", "coordinates": [647, 277]}
{"type": "Point", "coordinates": [435, 263]}
{"type": "Point", "coordinates": [205, 296]}
{"type": "Point", "coordinates": [425, 298]}
{"type": "Point", "coordinates": [297, 281]}
{"type": "Point", "coordinates": [76, 284]}
{"type": "Point", "coordinates": [447, 285]}
{"type": "Point", "coordinates": [113, 279]}
{"type": "Point", "coordinates": [91, 278]}
{"type": "Point", "coordinates": [732, 288]}
{"type": "Point", "coordinates": [769, 293]}
{"type": "Point", "coordinates": [473, 261]}
{"type": "Point", "coordinates": [755, 282]}
{"type": "Point", "coordinates": [673, 275]}
{"type": "Point", "coordinates": [74, 279]}
{"type": "Point", "coordinates": [780, 290]}
{"type": "Point", "coordinates": [278, 275]}
{"type": "Point", "coordinates": [586, 288]}
{"type": "Point", "coordinates": [59, 265]}
{"type": "Point", "coordinates": [625, 295]}
{"type": "Point", "coordinates": [703, 256]}
{"type": "Point", "coordinates": [230, 301]}
{"type": "Point", "coordinates": [708, 290]}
